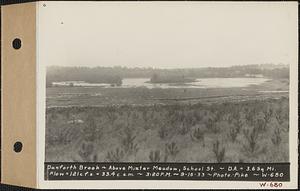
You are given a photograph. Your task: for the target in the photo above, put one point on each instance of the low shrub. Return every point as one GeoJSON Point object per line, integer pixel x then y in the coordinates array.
{"type": "Point", "coordinates": [218, 151]}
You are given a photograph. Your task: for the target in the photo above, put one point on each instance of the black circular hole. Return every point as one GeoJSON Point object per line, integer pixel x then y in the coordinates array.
{"type": "Point", "coordinates": [18, 147]}
{"type": "Point", "coordinates": [17, 43]}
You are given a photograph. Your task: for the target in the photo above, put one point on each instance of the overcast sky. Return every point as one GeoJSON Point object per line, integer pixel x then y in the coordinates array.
{"type": "Point", "coordinates": [167, 34]}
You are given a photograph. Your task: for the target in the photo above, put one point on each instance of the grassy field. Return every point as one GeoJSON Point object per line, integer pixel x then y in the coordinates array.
{"type": "Point", "coordinates": [97, 96]}
{"type": "Point", "coordinates": [144, 125]}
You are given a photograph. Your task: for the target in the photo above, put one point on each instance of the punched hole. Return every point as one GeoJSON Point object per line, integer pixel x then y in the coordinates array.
{"type": "Point", "coordinates": [18, 147]}
{"type": "Point", "coordinates": [17, 43]}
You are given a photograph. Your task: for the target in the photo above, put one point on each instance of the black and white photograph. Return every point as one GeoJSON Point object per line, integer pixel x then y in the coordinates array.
{"type": "Point", "coordinates": [190, 87]}
{"type": "Point", "coordinates": [149, 94]}
{"type": "Point", "coordinates": [168, 83]}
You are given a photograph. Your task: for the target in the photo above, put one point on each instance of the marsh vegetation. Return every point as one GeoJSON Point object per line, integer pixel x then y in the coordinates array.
{"type": "Point", "coordinates": [247, 131]}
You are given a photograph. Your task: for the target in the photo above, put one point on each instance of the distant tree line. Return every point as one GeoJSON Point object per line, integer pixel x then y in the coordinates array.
{"type": "Point", "coordinates": [114, 75]}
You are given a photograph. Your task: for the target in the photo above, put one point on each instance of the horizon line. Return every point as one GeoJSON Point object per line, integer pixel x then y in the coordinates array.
{"type": "Point", "coordinates": [149, 67]}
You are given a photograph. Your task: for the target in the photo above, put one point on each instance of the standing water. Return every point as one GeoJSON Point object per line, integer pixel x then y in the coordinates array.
{"type": "Point", "coordinates": [199, 83]}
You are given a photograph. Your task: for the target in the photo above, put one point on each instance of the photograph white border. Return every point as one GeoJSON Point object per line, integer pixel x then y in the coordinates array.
{"type": "Point", "coordinates": [154, 184]}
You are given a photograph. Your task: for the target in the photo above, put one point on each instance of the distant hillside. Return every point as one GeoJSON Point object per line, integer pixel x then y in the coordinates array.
{"type": "Point", "coordinates": [114, 75]}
